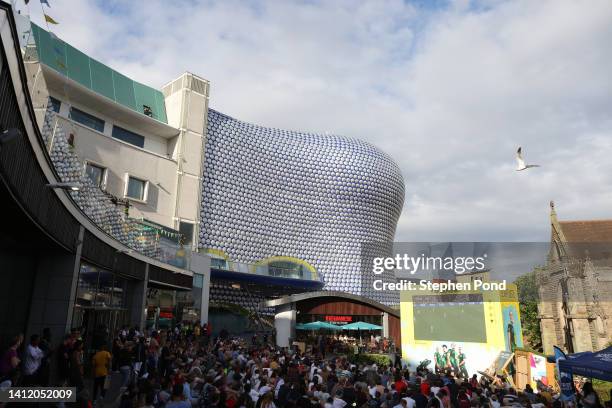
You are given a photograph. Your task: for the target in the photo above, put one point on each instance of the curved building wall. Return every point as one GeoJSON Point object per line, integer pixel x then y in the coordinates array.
{"type": "Point", "coordinates": [272, 192]}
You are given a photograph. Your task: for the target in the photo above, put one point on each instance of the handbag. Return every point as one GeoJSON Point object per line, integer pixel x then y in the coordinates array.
{"type": "Point", "coordinates": [107, 382]}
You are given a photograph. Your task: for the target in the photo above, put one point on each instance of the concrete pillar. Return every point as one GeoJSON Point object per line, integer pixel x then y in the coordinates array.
{"type": "Point", "coordinates": [284, 323]}
{"type": "Point", "coordinates": [200, 266]}
{"type": "Point", "coordinates": [139, 301]}
{"type": "Point", "coordinates": [186, 100]}
{"type": "Point", "coordinates": [205, 295]}
{"type": "Point", "coordinates": [385, 324]}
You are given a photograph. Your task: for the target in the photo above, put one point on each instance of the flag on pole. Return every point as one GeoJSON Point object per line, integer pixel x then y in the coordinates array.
{"type": "Point", "coordinates": [45, 2]}
{"type": "Point", "coordinates": [50, 20]}
{"type": "Point", "coordinates": [566, 378]}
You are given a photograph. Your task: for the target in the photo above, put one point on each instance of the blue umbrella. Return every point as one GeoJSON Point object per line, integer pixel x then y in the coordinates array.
{"type": "Point", "coordinates": [594, 365]}
{"type": "Point", "coordinates": [317, 326]}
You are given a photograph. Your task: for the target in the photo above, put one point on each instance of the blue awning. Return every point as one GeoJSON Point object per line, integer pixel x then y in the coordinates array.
{"type": "Point", "coordinates": [587, 364]}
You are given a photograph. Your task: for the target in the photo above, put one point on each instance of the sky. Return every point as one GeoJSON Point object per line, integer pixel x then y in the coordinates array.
{"type": "Point", "coordinates": [449, 89]}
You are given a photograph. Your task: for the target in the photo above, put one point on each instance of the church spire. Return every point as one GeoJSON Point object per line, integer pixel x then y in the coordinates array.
{"type": "Point", "coordinates": [556, 230]}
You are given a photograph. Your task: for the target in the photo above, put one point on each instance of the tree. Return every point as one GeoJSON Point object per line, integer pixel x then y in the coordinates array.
{"type": "Point", "coordinates": [528, 298]}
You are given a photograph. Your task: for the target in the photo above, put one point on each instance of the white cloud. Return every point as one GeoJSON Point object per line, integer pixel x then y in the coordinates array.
{"type": "Point", "coordinates": [448, 92]}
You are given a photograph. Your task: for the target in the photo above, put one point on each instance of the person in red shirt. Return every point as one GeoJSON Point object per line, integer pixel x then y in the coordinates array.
{"type": "Point", "coordinates": [400, 384]}
{"type": "Point", "coordinates": [425, 388]}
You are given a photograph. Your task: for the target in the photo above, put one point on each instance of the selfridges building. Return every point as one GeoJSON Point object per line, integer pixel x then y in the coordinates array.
{"type": "Point", "coordinates": [331, 201]}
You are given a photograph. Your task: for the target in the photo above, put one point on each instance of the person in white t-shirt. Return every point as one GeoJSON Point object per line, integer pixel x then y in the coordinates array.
{"type": "Point", "coordinates": [338, 401]}
{"type": "Point", "coordinates": [410, 403]}
{"type": "Point", "coordinates": [402, 404]}
{"type": "Point", "coordinates": [264, 387]}
{"type": "Point", "coordinates": [33, 359]}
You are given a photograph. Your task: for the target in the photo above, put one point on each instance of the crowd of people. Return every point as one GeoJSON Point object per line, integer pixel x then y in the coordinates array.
{"type": "Point", "coordinates": [185, 367]}
{"type": "Point", "coordinates": [345, 344]}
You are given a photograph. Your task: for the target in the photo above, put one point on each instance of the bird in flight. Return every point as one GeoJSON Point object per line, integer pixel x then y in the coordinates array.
{"type": "Point", "coordinates": [521, 163]}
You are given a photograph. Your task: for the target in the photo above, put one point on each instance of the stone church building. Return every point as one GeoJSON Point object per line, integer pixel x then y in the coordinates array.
{"type": "Point", "coordinates": [575, 287]}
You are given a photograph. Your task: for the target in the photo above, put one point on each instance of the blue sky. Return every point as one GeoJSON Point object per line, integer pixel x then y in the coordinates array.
{"type": "Point", "coordinates": [449, 89]}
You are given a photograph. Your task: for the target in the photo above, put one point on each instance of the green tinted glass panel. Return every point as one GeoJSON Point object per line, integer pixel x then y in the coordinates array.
{"type": "Point", "coordinates": [96, 76]}
{"type": "Point", "coordinates": [78, 66]}
{"type": "Point", "coordinates": [160, 107]}
{"type": "Point", "coordinates": [124, 90]}
{"type": "Point", "coordinates": [36, 33]}
{"type": "Point", "coordinates": [101, 79]}
{"type": "Point", "coordinates": [144, 96]}
{"type": "Point", "coordinates": [52, 52]}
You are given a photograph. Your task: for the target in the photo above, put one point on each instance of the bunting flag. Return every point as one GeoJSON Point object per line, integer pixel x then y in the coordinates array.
{"type": "Point", "coordinates": [58, 51]}
{"type": "Point", "coordinates": [50, 20]}
{"type": "Point", "coordinates": [46, 2]}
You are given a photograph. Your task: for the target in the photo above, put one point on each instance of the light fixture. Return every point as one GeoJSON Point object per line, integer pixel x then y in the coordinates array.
{"type": "Point", "coordinates": [65, 186]}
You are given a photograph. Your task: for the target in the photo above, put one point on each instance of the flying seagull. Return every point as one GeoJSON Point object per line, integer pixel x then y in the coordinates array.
{"type": "Point", "coordinates": [521, 163]}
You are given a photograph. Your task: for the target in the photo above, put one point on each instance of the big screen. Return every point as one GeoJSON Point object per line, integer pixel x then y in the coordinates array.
{"type": "Point", "coordinates": [449, 317]}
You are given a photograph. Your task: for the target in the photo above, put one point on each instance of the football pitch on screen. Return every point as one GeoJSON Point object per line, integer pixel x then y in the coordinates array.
{"type": "Point", "coordinates": [450, 322]}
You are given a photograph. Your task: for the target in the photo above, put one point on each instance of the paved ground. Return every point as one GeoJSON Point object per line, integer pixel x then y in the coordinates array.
{"type": "Point", "coordinates": [113, 394]}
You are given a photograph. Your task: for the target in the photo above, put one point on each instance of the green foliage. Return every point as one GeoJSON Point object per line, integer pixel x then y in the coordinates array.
{"type": "Point", "coordinates": [378, 359]}
{"type": "Point", "coordinates": [528, 301]}
{"type": "Point", "coordinates": [602, 388]}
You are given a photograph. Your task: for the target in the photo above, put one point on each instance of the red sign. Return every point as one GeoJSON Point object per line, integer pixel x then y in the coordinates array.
{"type": "Point", "coordinates": [165, 315]}
{"type": "Point", "coordinates": [341, 319]}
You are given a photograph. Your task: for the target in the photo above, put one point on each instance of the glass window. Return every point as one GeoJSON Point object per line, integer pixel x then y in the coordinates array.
{"type": "Point", "coordinates": [105, 290]}
{"type": "Point", "coordinates": [198, 280]}
{"type": "Point", "coordinates": [217, 263]}
{"type": "Point", "coordinates": [54, 104]}
{"type": "Point", "coordinates": [95, 173]}
{"type": "Point", "coordinates": [87, 286]}
{"type": "Point", "coordinates": [186, 229]}
{"type": "Point", "coordinates": [128, 137]}
{"type": "Point", "coordinates": [119, 292]}
{"type": "Point", "coordinates": [86, 119]}
{"type": "Point", "coordinates": [136, 188]}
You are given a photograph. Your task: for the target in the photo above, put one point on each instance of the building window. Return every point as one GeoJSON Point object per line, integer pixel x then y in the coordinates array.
{"type": "Point", "coordinates": [86, 119]}
{"type": "Point", "coordinates": [136, 189]}
{"type": "Point", "coordinates": [96, 174]}
{"type": "Point", "coordinates": [198, 280]}
{"type": "Point", "coordinates": [54, 104]}
{"type": "Point", "coordinates": [128, 137]}
{"type": "Point", "coordinates": [186, 229]}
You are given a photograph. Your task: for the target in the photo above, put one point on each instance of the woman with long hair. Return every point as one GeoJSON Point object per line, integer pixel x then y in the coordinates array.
{"type": "Point", "coordinates": [590, 399]}
{"type": "Point", "coordinates": [267, 401]}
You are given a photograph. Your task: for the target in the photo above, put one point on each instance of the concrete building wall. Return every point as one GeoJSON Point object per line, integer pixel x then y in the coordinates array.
{"type": "Point", "coordinates": [121, 159]}
{"type": "Point", "coordinates": [186, 108]}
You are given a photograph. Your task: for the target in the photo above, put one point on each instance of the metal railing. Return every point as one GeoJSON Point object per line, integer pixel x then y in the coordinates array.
{"type": "Point", "coordinates": [100, 207]}
{"type": "Point", "coordinates": [299, 272]}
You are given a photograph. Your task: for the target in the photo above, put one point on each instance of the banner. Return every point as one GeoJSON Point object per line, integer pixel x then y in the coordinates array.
{"type": "Point", "coordinates": [566, 378]}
